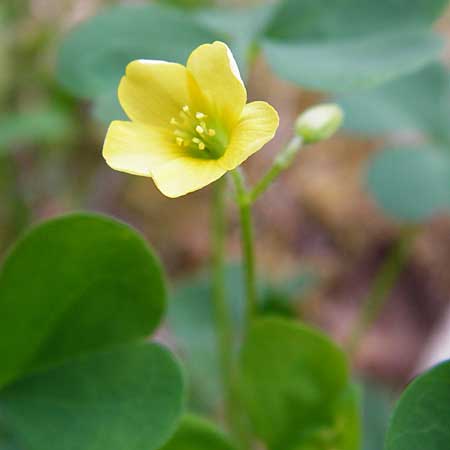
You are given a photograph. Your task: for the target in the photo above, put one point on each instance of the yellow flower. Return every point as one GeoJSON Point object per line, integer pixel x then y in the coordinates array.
{"type": "Point", "coordinates": [189, 125]}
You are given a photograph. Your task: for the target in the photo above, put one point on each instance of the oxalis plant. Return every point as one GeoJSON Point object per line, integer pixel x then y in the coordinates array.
{"type": "Point", "coordinates": [81, 294]}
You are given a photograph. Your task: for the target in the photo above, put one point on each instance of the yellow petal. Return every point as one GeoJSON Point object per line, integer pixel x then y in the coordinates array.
{"type": "Point", "coordinates": [185, 174]}
{"type": "Point", "coordinates": [154, 91]}
{"type": "Point", "coordinates": [218, 78]}
{"type": "Point", "coordinates": [138, 149]}
{"type": "Point", "coordinates": [257, 126]}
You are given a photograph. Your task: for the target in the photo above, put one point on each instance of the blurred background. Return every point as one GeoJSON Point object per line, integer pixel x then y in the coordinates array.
{"type": "Point", "coordinates": [324, 230]}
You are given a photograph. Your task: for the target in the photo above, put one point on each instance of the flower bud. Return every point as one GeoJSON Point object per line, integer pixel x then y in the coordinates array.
{"type": "Point", "coordinates": [319, 122]}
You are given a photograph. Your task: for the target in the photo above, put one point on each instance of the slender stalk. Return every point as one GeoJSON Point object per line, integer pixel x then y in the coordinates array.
{"type": "Point", "coordinates": [246, 224]}
{"type": "Point", "coordinates": [281, 163]}
{"type": "Point", "coordinates": [382, 286]}
{"type": "Point", "coordinates": [221, 312]}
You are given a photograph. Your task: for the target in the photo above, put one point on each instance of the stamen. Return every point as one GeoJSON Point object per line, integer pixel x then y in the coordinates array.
{"type": "Point", "coordinates": [211, 132]}
{"type": "Point", "coordinates": [199, 129]}
{"type": "Point", "coordinates": [196, 140]}
{"type": "Point", "coordinates": [185, 108]}
{"type": "Point", "coordinates": [180, 141]}
{"type": "Point", "coordinates": [173, 121]}
{"type": "Point", "coordinates": [200, 115]}
{"type": "Point", "coordinates": [201, 146]}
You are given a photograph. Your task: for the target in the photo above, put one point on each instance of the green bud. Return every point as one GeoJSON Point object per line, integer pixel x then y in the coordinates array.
{"type": "Point", "coordinates": [319, 122]}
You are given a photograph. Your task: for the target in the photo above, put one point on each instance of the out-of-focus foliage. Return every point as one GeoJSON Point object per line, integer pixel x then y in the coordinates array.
{"type": "Point", "coordinates": [343, 45]}
{"type": "Point", "coordinates": [195, 433]}
{"type": "Point", "coordinates": [41, 126]}
{"type": "Point", "coordinates": [417, 103]}
{"type": "Point", "coordinates": [410, 184]}
{"type": "Point", "coordinates": [292, 375]}
{"type": "Point", "coordinates": [376, 407]}
{"type": "Point", "coordinates": [191, 319]}
{"type": "Point", "coordinates": [421, 418]}
{"type": "Point", "coordinates": [78, 295]}
{"type": "Point", "coordinates": [94, 71]}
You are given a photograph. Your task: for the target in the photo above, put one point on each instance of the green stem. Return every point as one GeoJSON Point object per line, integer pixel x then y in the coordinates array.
{"type": "Point", "coordinates": [382, 286]}
{"type": "Point", "coordinates": [246, 224]}
{"type": "Point", "coordinates": [221, 313]}
{"type": "Point", "coordinates": [281, 163]}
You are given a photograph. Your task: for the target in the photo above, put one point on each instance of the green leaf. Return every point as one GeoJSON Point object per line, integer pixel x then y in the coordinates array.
{"type": "Point", "coordinates": [322, 19]}
{"type": "Point", "coordinates": [191, 320]}
{"type": "Point", "coordinates": [295, 383]}
{"type": "Point", "coordinates": [195, 433]}
{"type": "Point", "coordinates": [126, 398]}
{"type": "Point", "coordinates": [242, 28]}
{"type": "Point", "coordinates": [94, 55]}
{"type": "Point", "coordinates": [75, 284]}
{"type": "Point", "coordinates": [351, 44]}
{"type": "Point", "coordinates": [376, 405]}
{"type": "Point", "coordinates": [417, 103]}
{"type": "Point", "coordinates": [32, 127]}
{"type": "Point", "coordinates": [106, 108]}
{"type": "Point", "coordinates": [410, 184]}
{"type": "Point", "coordinates": [350, 64]}
{"type": "Point", "coordinates": [421, 419]}
{"type": "Point", "coordinates": [187, 3]}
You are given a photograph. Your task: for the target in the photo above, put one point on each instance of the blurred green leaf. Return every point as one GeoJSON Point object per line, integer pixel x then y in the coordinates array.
{"type": "Point", "coordinates": [195, 433]}
{"type": "Point", "coordinates": [126, 398]}
{"type": "Point", "coordinates": [419, 102]}
{"type": "Point", "coordinates": [295, 383]}
{"type": "Point", "coordinates": [7, 439]}
{"type": "Point", "coordinates": [352, 64]}
{"type": "Point", "coordinates": [410, 184]}
{"type": "Point", "coordinates": [187, 3]}
{"type": "Point", "coordinates": [94, 55]}
{"type": "Point", "coordinates": [421, 419]}
{"type": "Point", "coordinates": [33, 127]}
{"type": "Point", "coordinates": [351, 44]}
{"type": "Point", "coordinates": [321, 19]}
{"type": "Point", "coordinates": [75, 284]}
{"type": "Point", "coordinates": [376, 407]}
{"type": "Point", "coordinates": [191, 320]}
{"type": "Point", "coordinates": [242, 28]}
{"type": "Point", "coordinates": [106, 108]}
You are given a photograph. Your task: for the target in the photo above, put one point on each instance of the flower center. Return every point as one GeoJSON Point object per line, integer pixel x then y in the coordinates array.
{"type": "Point", "coordinates": [198, 134]}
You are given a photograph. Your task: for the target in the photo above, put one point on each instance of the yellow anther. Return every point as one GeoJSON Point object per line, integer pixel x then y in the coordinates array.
{"type": "Point", "coordinates": [211, 132]}
{"type": "Point", "coordinates": [180, 141]}
{"type": "Point", "coordinates": [199, 129]}
{"type": "Point", "coordinates": [173, 121]}
{"type": "Point", "coordinates": [185, 108]}
{"type": "Point", "coordinates": [196, 140]}
{"type": "Point", "coordinates": [201, 146]}
{"type": "Point", "coordinates": [200, 115]}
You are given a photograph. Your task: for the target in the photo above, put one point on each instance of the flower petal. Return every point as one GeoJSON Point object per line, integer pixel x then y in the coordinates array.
{"type": "Point", "coordinates": [154, 91]}
{"type": "Point", "coordinates": [137, 148]}
{"type": "Point", "coordinates": [186, 174]}
{"type": "Point", "coordinates": [257, 126]}
{"type": "Point", "coordinates": [218, 78]}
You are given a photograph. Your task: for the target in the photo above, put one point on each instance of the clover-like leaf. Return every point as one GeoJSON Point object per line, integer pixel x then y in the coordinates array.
{"type": "Point", "coordinates": [130, 397]}
{"type": "Point", "coordinates": [410, 184]}
{"type": "Point", "coordinates": [417, 103]}
{"type": "Point", "coordinates": [295, 384]}
{"type": "Point", "coordinates": [421, 419]}
{"type": "Point", "coordinates": [122, 34]}
{"type": "Point", "coordinates": [75, 284]}
{"type": "Point", "coordinates": [195, 433]}
{"type": "Point", "coordinates": [345, 45]}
